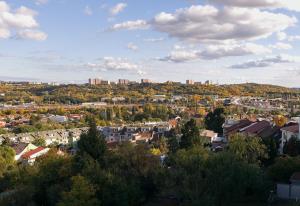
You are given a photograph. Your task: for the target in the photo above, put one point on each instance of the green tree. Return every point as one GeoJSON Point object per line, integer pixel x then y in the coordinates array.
{"type": "Point", "coordinates": [190, 134]}
{"type": "Point", "coordinates": [215, 120]}
{"type": "Point", "coordinates": [229, 181]}
{"type": "Point", "coordinates": [173, 143]}
{"type": "Point", "coordinates": [248, 149]}
{"type": "Point", "coordinates": [161, 144]}
{"type": "Point", "coordinates": [292, 147]}
{"type": "Point", "coordinates": [40, 142]}
{"type": "Point", "coordinates": [7, 157]}
{"type": "Point", "coordinates": [109, 114]}
{"type": "Point", "coordinates": [82, 193]}
{"type": "Point", "coordinates": [283, 168]}
{"type": "Point", "coordinates": [92, 143]}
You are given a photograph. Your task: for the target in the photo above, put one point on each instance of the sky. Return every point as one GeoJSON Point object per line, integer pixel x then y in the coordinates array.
{"type": "Point", "coordinates": [225, 41]}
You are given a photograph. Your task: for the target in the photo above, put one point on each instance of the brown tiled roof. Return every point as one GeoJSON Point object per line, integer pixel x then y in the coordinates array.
{"type": "Point", "coordinates": [234, 128]}
{"type": "Point", "coordinates": [293, 128]}
{"type": "Point", "coordinates": [257, 127]}
{"type": "Point", "coordinates": [19, 147]}
{"type": "Point", "coordinates": [269, 132]}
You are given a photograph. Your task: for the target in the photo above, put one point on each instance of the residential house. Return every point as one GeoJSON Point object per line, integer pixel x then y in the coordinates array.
{"type": "Point", "coordinates": [256, 128]}
{"type": "Point", "coordinates": [30, 156]}
{"type": "Point", "coordinates": [231, 127]}
{"type": "Point", "coordinates": [58, 118]}
{"type": "Point", "coordinates": [287, 133]}
{"type": "Point", "coordinates": [210, 135]}
{"type": "Point", "coordinates": [142, 137]}
{"type": "Point", "coordinates": [22, 148]}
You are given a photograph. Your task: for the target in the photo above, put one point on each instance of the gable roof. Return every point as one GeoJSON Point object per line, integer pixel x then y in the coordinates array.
{"type": "Point", "coordinates": [32, 152]}
{"type": "Point", "coordinates": [20, 147]}
{"type": "Point", "coordinates": [241, 124]}
{"type": "Point", "coordinates": [293, 128]}
{"type": "Point", "coordinates": [270, 132]}
{"type": "Point", "coordinates": [257, 127]}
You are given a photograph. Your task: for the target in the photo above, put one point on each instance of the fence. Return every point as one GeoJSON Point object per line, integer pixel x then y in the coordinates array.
{"type": "Point", "coordinates": [288, 191]}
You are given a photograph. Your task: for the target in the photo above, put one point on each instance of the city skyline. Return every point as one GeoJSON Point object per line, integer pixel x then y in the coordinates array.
{"type": "Point", "coordinates": [230, 42]}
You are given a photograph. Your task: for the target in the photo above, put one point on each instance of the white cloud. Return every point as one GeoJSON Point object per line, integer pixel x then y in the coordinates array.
{"type": "Point", "coordinates": [88, 11]}
{"type": "Point", "coordinates": [22, 21]}
{"type": "Point", "coordinates": [281, 46]}
{"type": "Point", "coordinates": [293, 38]}
{"type": "Point", "coordinates": [220, 51]}
{"type": "Point", "coordinates": [211, 24]}
{"type": "Point", "coordinates": [40, 2]}
{"type": "Point", "coordinates": [4, 33]}
{"type": "Point", "coordinates": [117, 9]}
{"type": "Point", "coordinates": [291, 5]}
{"type": "Point", "coordinates": [266, 62]}
{"type": "Point", "coordinates": [32, 35]}
{"type": "Point", "coordinates": [181, 54]}
{"type": "Point", "coordinates": [154, 39]}
{"type": "Point", "coordinates": [251, 3]}
{"type": "Point", "coordinates": [113, 64]}
{"type": "Point", "coordinates": [141, 73]}
{"type": "Point", "coordinates": [130, 25]}
{"type": "Point", "coordinates": [281, 36]}
{"type": "Point", "coordinates": [287, 4]}
{"type": "Point", "coordinates": [132, 46]}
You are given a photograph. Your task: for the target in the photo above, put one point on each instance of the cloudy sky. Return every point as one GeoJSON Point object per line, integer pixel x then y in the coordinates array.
{"type": "Point", "coordinates": [226, 41]}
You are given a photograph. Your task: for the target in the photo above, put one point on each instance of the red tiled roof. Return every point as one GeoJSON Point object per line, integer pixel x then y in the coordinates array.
{"type": "Point", "coordinates": [293, 128]}
{"type": "Point", "coordinates": [32, 152]}
{"type": "Point", "coordinates": [173, 122]}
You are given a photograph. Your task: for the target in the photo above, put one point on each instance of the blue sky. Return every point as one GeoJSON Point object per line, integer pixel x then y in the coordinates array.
{"type": "Point", "coordinates": [228, 41]}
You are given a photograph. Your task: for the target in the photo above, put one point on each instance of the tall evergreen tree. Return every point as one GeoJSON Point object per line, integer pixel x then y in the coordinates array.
{"type": "Point", "coordinates": [190, 134]}
{"type": "Point", "coordinates": [92, 143]}
{"type": "Point", "coordinates": [214, 120]}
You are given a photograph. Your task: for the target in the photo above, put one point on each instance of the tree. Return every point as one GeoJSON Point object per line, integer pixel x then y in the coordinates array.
{"type": "Point", "coordinates": [34, 119]}
{"type": "Point", "coordinates": [109, 114]}
{"type": "Point", "coordinates": [283, 168]}
{"type": "Point", "coordinates": [161, 144]}
{"type": "Point", "coordinates": [215, 120]}
{"type": "Point", "coordinates": [248, 149]}
{"type": "Point", "coordinates": [92, 143]}
{"type": "Point", "coordinates": [202, 178]}
{"type": "Point", "coordinates": [229, 181]}
{"type": "Point", "coordinates": [272, 148]}
{"type": "Point", "coordinates": [292, 147]}
{"type": "Point", "coordinates": [40, 142]}
{"type": "Point", "coordinates": [82, 193]}
{"type": "Point", "coordinates": [173, 143]}
{"type": "Point", "coordinates": [7, 157]}
{"type": "Point", "coordinates": [186, 177]}
{"type": "Point", "coordinates": [190, 134]}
